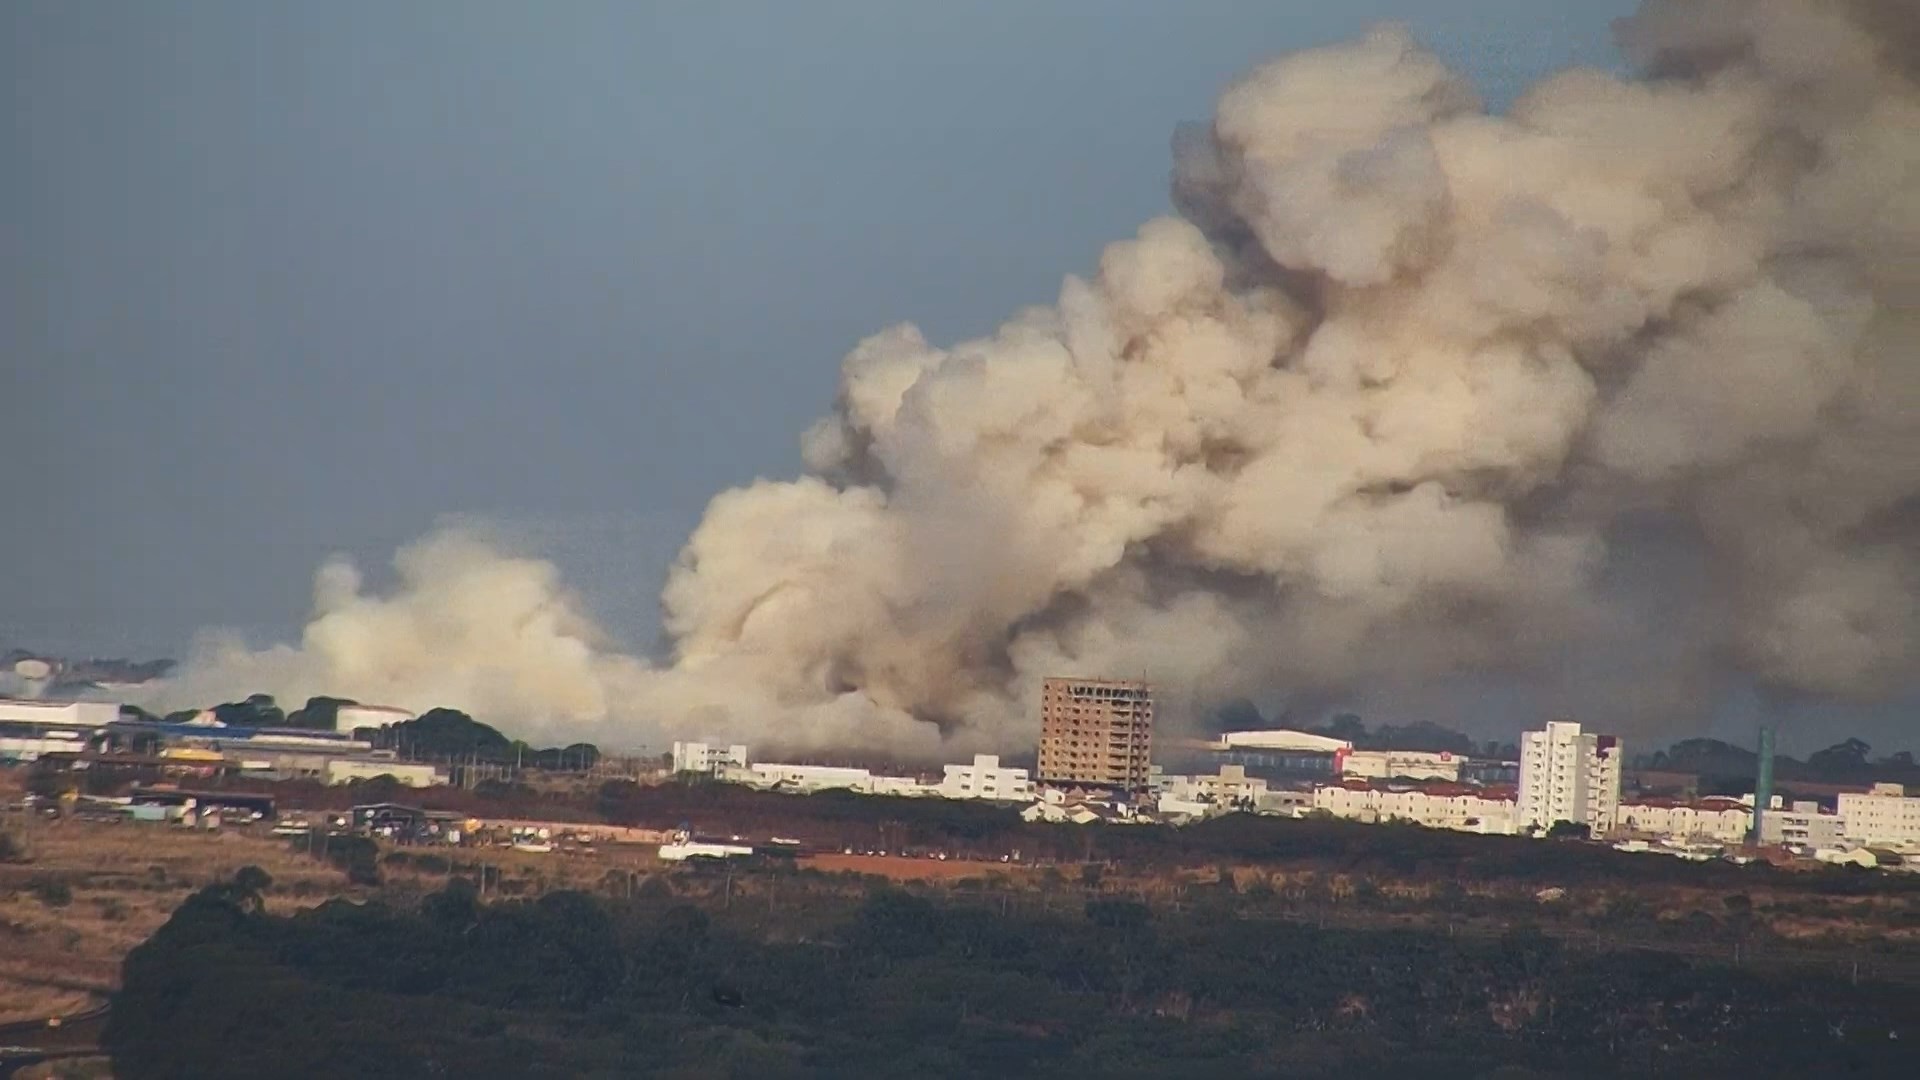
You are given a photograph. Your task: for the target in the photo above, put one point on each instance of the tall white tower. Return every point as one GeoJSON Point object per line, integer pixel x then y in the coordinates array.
{"type": "Point", "coordinates": [1569, 776]}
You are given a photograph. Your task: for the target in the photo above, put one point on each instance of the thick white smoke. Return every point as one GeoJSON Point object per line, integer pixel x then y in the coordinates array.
{"type": "Point", "coordinates": [1379, 403]}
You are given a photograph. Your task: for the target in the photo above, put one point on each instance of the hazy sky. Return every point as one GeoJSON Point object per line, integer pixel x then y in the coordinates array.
{"type": "Point", "coordinates": [279, 279]}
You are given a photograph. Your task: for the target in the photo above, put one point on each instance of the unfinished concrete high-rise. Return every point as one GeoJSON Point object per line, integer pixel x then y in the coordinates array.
{"type": "Point", "coordinates": [1096, 733]}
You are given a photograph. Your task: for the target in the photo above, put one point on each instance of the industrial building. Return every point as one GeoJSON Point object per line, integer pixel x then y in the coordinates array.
{"type": "Point", "coordinates": [30, 730]}
{"type": "Point", "coordinates": [1399, 764]}
{"type": "Point", "coordinates": [1569, 776]}
{"type": "Point", "coordinates": [1096, 733]}
{"type": "Point", "coordinates": [1271, 754]}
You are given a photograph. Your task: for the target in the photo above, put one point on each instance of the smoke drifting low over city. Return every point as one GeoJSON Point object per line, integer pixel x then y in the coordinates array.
{"type": "Point", "coordinates": [1630, 373]}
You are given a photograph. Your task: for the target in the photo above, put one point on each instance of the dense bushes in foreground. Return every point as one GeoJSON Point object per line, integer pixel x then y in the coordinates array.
{"type": "Point", "coordinates": [897, 983]}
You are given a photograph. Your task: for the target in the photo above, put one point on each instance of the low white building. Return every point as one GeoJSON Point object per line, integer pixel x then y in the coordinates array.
{"type": "Point", "coordinates": [809, 777]}
{"type": "Point", "coordinates": [1398, 764]}
{"type": "Point", "coordinates": [986, 779]}
{"type": "Point", "coordinates": [30, 730]}
{"type": "Point", "coordinates": [90, 715]}
{"type": "Point", "coordinates": [1462, 810]}
{"type": "Point", "coordinates": [1231, 786]}
{"type": "Point", "coordinates": [1173, 805]}
{"type": "Point", "coordinates": [1284, 802]}
{"type": "Point", "coordinates": [906, 787]}
{"type": "Point", "coordinates": [1885, 815]}
{"type": "Point", "coordinates": [710, 758]}
{"type": "Point", "coordinates": [411, 774]}
{"type": "Point", "coordinates": [1724, 821]}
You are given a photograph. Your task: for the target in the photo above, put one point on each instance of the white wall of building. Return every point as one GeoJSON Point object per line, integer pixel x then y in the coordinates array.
{"type": "Point", "coordinates": [1229, 786]}
{"type": "Point", "coordinates": [48, 741]}
{"type": "Point", "coordinates": [1886, 815]}
{"type": "Point", "coordinates": [986, 779]}
{"type": "Point", "coordinates": [903, 786]}
{"type": "Point", "coordinates": [1706, 821]}
{"type": "Point", "coordinates": [1460, 812]}
{"type": "Point", "coordinates": [411, 774]}
{"type": "Point", "coordinates": [1179, 805]}
{"type": "Point", "coordinates": [1405, 764]}
{"type": "Point", "coordinates": [1802, 825]}
{"type": "Point", "coordinates": [699, 757]}
{"type": "Point", "coordinates": [68, 714]}
{"type": "Point", "coordinates": [1568, 775]}
{"type": "Point", "coordinates": [810, 777]}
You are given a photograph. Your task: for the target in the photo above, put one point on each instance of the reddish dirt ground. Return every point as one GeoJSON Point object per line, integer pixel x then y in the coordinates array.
{"type": "Point", "coordinates": [903, 869]}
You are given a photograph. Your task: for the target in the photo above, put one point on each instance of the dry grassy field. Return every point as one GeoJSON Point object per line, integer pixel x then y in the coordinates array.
{"type": "Point", "coordinates": [896, 868]}
{"type": "Point", "coordinates": [89, 892]}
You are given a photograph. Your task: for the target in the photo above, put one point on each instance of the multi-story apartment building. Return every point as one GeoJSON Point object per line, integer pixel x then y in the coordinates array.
{"type": "Point", "coordinates": [1096, 733]}
{"type": "Point", "coordinates": [1884, 815]}
{"type": "Point", "coordinates": [1566, 775]}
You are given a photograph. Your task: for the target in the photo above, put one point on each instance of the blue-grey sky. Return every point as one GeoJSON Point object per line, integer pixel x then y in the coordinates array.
{"type": "Point", "coordinates": [279, 280]}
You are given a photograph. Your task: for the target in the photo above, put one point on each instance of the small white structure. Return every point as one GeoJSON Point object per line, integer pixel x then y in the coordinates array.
{"type": "Point", "coordinates": [1398, 764]}
{"type": "Point", "coordinates": [1884, 815]}
{"type": "Point", "coordinates": [352, 717]}
{"type": "Point", "coordinates": [985, 779]}
{"type": "Point", "coordinates": [682, 846]}
{"type": "Point", "coordinates": [411, 774]}
{"type": "Point", "coordinates": [1569, 776]}
{"type": "Point", "coordinates": [710, 758]}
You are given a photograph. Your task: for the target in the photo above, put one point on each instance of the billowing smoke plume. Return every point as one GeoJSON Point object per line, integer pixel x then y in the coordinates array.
{"type": "Point", "coordinates": [1399, 394]}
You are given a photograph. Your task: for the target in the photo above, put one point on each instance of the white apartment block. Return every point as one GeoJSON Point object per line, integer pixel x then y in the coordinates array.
{"type": "Point", "coordinates": [1885, 815]}
{"type": "Point", "coordinates": [1460, 811]}
{"type": "Point", "coordinates": [985, 779]}
{"type": "Point", "coordinates": [1567, 775]}
{"type": "Point", "coordinates": [699, 757]}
